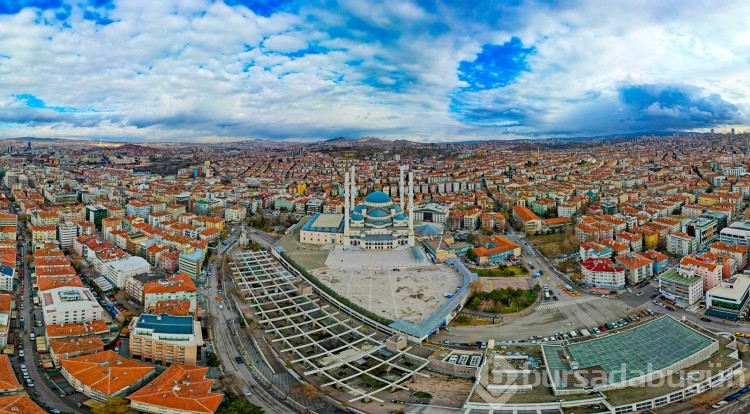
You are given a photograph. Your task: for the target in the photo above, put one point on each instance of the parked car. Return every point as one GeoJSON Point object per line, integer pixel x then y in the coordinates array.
{"type": "Point", "coordinates": [706, 319]}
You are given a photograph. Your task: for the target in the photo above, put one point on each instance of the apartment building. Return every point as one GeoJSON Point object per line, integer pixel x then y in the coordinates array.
{"type": "Point", "coordinates": [6, 315]}
{"type": "Point", "coordinates": [603, 273]}
{"type": "Point", "coordinates": [105, 374]}
{"type": "Point", "coordinates": [72, 347]}
{"type": "Point", "coordinates": [526, 219]}
{"type": "Point", "coordinates": [190, 262]}
{"type": "Point", "coordinates": [736, 252]}
{"type": "Point", "coordinates": [117, 272]}
{"type": "Point", "coordinates": [235, 213]}
{"type": "Point", "coordinates": [176, 287]}
{"type": "Point", "coordinates": [683, 288]}
{"type": "Point", "coordinates": [7, 276]}
{"type": "Point", "coordinates": [181, 389]}
{"type": "Point", "coordinates": [709, 272]}
{"type": "Point", "coordinates": [66, 234]}
{"type": "Point", "coordinates": [164, 339]}
{"type": "Point", "coordinates": [43, 233]}
{"type": "Point", "coordinates": [69, 304]}
{"type": "Point", "coordinates": [681, 244]}
{"type": "Point", "coordinates": [638, 268]}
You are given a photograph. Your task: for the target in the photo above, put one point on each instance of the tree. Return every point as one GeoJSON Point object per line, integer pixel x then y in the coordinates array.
{"type": "Point", "coordinates": [308, 390]}
{"type": "Point", "coordinates": [113, 405]}
{"type": "Point", "coordinates": [241, 406]}
{"type": "Point", "coordinates": [213, 360]}
{"type": "Point", "coordinates": [471, 255]}
{"type": "Point", "coordinates": [476, 286]}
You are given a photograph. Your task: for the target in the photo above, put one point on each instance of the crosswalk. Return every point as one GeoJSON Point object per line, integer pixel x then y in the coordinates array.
{"type": "Point", "coordinates": [564, 302]}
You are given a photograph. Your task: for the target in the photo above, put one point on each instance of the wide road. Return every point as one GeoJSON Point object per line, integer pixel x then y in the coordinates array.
{"type": "Point", "coordinates": [571, 312]}
{"type": "Point", "coordinates": [225, 348]}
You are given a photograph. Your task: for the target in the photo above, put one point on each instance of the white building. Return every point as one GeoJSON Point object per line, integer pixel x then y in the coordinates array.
{"type": "Point", "coordinates": [681, 244]}
{"type": "Point", "coordinates": [66, 234]}
{"type": "Point", "coordinates": [68, 305]}
{"type": "Point", "coordinates": [737, 233]}
{"type": "Point", "coordinates": [118, 271]}
{"type": "Point", "coordinates": [684, 289]}
{"type": "Point", "coordinates": [729, 300]}
{"type": "Point", "coordinates": [603, 273]}
{"type": "Point", "coordinates": [432, 212]}
{"type": "Point", "coordinates": [235, 214]}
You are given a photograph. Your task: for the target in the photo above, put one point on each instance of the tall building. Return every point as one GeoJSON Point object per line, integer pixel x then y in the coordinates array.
{"type": "Point", "coordinates": [66, 234]}
{"type": "Point", "coordinates": [190, 262]}
{"type": "Point", "coordinates": [95, 213]}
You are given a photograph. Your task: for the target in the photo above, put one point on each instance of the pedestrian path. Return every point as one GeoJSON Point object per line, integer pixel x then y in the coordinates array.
{"type": "Point", "coordinates": [565, 302]}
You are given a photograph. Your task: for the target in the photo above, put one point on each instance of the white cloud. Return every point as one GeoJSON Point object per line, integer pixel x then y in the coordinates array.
{"type": "Point", "coordinates": [198, 69]}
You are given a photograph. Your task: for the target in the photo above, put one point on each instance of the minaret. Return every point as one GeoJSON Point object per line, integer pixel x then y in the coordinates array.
{"type": "Point", "coordinates": [346, 209]}
{"type": "Point", "coordinates": [352, 190]}
{"type": "Point", "coordinates": [401, 195]}
{"type": "Point", "coordinates": [411, 208]}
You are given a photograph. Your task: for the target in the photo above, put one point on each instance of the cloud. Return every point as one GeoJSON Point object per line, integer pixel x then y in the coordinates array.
{"type": "Point", "coordinates": [429, 70]}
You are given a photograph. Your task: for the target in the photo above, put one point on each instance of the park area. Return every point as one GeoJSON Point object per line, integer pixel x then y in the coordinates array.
{"type": "Point", "coordinates": [504, 300]}
{"type": "Point", "coordinates": [554, 244]}
{"type": "Point", "coordinates": [502, 271]}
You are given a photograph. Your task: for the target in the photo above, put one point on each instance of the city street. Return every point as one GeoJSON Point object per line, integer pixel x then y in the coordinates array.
{"type": "Point", "coordinates": [222, 341]}
{"type": "Point", "coordinates": [43, 391]}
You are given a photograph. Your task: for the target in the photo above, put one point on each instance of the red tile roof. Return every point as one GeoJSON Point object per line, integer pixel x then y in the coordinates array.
{"type": "Point", "coordinates": [106, 372]}
{"type": "Point", "coordinates": [182, 388]}
{"type": "Point", "coordinates": [19, 404]}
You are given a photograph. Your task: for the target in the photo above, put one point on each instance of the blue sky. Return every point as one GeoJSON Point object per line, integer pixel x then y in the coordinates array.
{"type": "Point", "coordinates": [432, 70]}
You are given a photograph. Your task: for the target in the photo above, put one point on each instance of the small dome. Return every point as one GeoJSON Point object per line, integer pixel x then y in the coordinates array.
{"type": "Point", "coordinates": [378, 197]}
{"type": "Point", "coordinates": [378, 212]}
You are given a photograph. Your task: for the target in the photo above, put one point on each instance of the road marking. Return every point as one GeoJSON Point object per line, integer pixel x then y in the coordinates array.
{"type": "Point", "coordinates": [562, 303]}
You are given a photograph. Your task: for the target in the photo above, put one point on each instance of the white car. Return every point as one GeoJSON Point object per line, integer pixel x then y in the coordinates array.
{"type": "Point", "coordinates": [21, 353]}
{"type": "Point", "coordinates": [719, 404]}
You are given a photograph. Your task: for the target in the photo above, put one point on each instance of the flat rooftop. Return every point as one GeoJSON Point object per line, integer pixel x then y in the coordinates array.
{"type": "Point", "coordinates": [328, 221]}
{"type": "Point", "coordinates": [737, 290]}
{"type": "Point", "coordinates": [673, 276]}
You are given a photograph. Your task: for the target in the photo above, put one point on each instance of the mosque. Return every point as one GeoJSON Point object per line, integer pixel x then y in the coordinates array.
{"type": "Point", "coordinates": [377, 223]}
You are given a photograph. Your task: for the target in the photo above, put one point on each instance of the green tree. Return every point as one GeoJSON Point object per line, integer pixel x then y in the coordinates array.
{"type": "Point", "coordinates": [238, 407]}
{"type": "Point", "coordinates": [113, 405]}
{"type": "Point", "coordinates": [471, 255]}
{"type": "Point", "coordinates": [213, 361]}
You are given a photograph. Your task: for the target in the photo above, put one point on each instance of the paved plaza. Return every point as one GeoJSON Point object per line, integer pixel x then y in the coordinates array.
{"type": "Point", "coordinates": [390, 283]}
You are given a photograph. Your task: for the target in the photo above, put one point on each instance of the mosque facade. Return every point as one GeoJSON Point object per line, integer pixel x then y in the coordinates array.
{"type": "Point", "coordinates": [376, 223]}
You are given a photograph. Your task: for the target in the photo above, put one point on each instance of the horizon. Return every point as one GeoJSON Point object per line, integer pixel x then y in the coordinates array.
{"type": "Point", "coordinates": [425, 71]}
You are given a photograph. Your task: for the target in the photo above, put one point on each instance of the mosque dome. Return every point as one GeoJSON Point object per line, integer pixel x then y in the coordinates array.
{"type": "Point", "coordinates": [378, 197]}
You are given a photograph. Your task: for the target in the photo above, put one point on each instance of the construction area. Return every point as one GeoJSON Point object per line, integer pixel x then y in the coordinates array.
{"type": "Point", "coordinates": [391, 283]}
{"type": "Point", "coordinates": [324, 346]}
